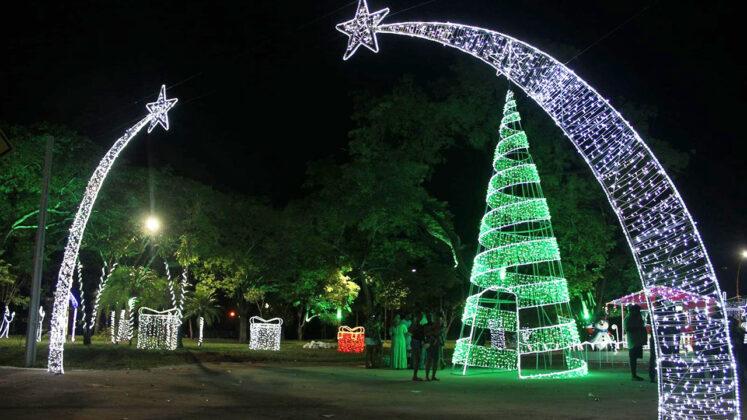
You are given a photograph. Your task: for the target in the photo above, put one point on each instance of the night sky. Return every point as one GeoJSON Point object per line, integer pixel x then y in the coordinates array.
{"type": "Point", "coordinates": [263, 89]}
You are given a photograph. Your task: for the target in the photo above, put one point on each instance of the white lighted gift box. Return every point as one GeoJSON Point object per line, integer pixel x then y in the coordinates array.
{"type": "Point", "coordinates": [158, 330]}
{"type": "Point", "coordinates": [264, 333]}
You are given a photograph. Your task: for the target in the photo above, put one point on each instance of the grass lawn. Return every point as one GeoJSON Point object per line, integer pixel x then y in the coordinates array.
{"type": "Point", "coordinates": [102, 354]}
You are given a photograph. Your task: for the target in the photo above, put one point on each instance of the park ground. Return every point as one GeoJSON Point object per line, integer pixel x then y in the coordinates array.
{"type": "Point", "coordinates": [226, 380]}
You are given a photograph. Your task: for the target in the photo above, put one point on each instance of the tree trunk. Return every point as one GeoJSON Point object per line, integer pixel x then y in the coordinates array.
{"type": "Point", "coordinates": [242, 328]}
{"type": "Point", "coordinates": [87, 332]}
{"type": "Point", "coordinates": [97, 322]}
{"type": "Point", "coordinates": [301, 323]}
{"type": "Point", "coordinates": [368, 299]}
{"type": "Point", "coordinates": [191, 333]}
{"type": "Point", "coordinates": [180, 337]}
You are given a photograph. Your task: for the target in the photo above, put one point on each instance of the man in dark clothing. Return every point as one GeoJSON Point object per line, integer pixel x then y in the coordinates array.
{"type": "Point", "coordinates": [636, 333]}
{"type": "Point", "coordinates": [417, 331]}
{"type": "Point", "coordinates": [433, 352]}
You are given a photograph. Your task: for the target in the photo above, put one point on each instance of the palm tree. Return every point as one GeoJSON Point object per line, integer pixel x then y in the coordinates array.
{"type": "Point", "coordinates": [201, 303]}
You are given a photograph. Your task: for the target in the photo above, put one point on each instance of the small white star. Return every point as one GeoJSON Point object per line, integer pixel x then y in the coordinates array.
{"type": "Point", "coordinates": [158, 110]}
{"type": "Point", "coordinates": [361, 30]}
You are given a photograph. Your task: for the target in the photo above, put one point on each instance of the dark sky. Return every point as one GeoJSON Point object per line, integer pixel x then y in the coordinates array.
{"type": "Point", "coordinates": [263, 89]}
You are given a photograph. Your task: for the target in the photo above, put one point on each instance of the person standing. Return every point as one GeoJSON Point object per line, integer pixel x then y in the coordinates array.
{"type": "Point", "coordinates": [433, 350]}
{"type": "Point", "coordinates": [399, 344]}
{"type": "Point", "coordinates": [636, 333]}
{"type": "Point", "coordinates": [417, 331]}
{"type": "Point", "coordinates": [373, 342]}
{"type": "Point", "coordinates": [408, 338]}
{"type": "Point", "coordinates": [652, 356]}
{"type": "Point", "coordinates": [736, 334]}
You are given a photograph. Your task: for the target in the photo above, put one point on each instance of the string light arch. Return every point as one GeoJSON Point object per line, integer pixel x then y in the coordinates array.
{"type": "Point", "coordinates": [157, 115]}
{"type": "Point", "coordinates": [662, 235]}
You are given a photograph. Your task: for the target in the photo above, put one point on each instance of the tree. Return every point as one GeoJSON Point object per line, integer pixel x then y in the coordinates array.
{"type": "Point", "coordinates": [10, 286]}
{"type": "Point", "coordinates": [202, 303]}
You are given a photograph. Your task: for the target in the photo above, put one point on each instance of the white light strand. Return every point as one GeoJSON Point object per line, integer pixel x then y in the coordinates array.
{"type": "Point", "coordinates": [8, 317]}
{"type": "Point", "coordinates": [264, 333]}
{"type": "Point", "coordinates": [131, 309]}
{"type": "Point", "coordinates": [182, 292]}
{"type": "Point", "coordinates": [122, 327]}
{"type": "Point", "coordinates": [81, 293]}
{"type": "Point", "coordinates": [665, 242]}
{"type": "Point", "coordinates": [170, 284]}
{"type": "Point", "coordinates": [42, 313]}
{"type": "Point", "coordinates": [113, 327]}
{"type": "Point", "coordinates": [75, 318]}
{"type": "Point", "coordinates": [201, 323]}
{"type": "Point", "coordinates": [157, 115]}
{"type": "Point", "coordinates": [157, 330]}
{"type": "Point", "coordinates": [103, 279]}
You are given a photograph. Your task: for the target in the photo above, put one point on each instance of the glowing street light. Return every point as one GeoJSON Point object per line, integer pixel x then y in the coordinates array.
{"type": "Point", "coordinates": [152, 225]}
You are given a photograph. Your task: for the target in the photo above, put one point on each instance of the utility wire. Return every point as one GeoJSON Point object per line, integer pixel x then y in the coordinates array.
{"type": "Point", "coordinates": [615, 29]}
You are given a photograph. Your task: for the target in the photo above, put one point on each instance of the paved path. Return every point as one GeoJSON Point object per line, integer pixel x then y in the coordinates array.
{"type": "Point", "coordinates": [233, 391]}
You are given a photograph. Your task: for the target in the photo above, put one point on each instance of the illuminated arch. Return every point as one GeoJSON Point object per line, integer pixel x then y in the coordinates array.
{"type": "Point", "coordinates": [157, 115]}
{"type": "Point", "coordinates": [660, 231]}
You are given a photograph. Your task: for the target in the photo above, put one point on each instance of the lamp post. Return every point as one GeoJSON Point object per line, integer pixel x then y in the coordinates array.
{"type": "Point", "coordinates": [742, 257]}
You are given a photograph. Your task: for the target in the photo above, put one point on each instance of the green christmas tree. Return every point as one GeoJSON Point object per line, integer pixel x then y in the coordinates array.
{"type": "Point", "coordinates": [518, 316]}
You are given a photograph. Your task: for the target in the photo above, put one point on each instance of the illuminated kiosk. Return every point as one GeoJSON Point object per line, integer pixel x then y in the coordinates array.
{"type": "Point", "coordinates": [662, 235]}
{"type": "Point", "coordinates": [265, 333]}
{"type": "Point", "coordinates": [158, 330]}
{"type": "Point", "coordinates": [351, 340]}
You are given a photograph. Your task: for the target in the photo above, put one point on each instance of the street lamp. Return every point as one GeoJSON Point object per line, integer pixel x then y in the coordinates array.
{"type": "Point", "coordinates": [743, 256]}
{"type": "Point", "coordinates": [152, 225]}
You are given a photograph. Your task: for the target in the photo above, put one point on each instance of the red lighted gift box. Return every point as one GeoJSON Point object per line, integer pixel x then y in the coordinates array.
{"type": "Point", "coordinates": [351, 340]}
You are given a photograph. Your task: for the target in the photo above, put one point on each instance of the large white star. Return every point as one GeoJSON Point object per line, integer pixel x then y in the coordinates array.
{"type": "Point", "coordinates": [158, 110]}
{"type": "Point", "coordinates": [361, 30]}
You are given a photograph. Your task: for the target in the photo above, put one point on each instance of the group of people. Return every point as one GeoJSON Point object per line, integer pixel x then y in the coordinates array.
{"type": "Point", "coordinates": [423, 337]}
{"type": "Point", "coordinates": [417, 343]}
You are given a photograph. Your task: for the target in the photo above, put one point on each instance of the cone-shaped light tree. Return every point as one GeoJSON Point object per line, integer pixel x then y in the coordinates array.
{"type": "Point", "coordinates": [518, 314]}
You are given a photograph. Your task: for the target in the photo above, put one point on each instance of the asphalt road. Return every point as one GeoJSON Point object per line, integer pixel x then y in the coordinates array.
{"type": "Point", "coordinates": [231, 391]}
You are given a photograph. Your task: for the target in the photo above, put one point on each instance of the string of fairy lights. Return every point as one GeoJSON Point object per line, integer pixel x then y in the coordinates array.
{"type": "Point", "coordinates": [158, 330]}
{"type": "Point", "coordinates": [351, 340]}
{"type": "Point", "coordinates": [42, 314]}
{"type": "Point", "coordinates": [157, 115]}
{"type": "Point", "coordinates": [516, 236]}
{"type": "Point", "coordinates": [660, 231]}
{"type": "Point", "coordinates": [264, 334]}
{"type": "Point", "coordinates": [8, 317]}
{"type": "Point", "coordinates": [103, 279]}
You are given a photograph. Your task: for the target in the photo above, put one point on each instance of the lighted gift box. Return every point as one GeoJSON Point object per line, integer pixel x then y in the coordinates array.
{"type": "Point", "coordinates": [264, 333]}
{"type": "Point", "coordinates": [351, 340]}
{"type": "Point", "coordinates": [158, 330]}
